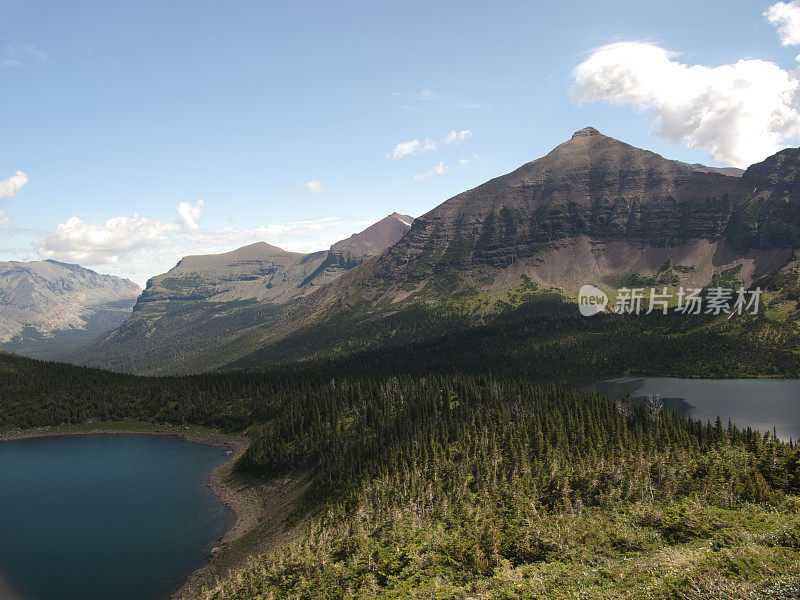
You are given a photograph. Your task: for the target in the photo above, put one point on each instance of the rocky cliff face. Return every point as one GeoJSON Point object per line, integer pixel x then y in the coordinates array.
{"type": "Point", "coordinates": [768, 214]}
{"type": "Point", "coordinates": [48, 306]}
{"type": "Point", "coordinates": [592, 186]}
{"type": "Point", "coordinates": [597, 209]}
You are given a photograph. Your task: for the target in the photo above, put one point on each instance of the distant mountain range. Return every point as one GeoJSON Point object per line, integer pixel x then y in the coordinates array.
{"type": "Point", "coordinates": [593, 210]}
{"type": "Point", "coordinates": [47, 307]}
{"type": "Point", "coordinates": [207, 300]}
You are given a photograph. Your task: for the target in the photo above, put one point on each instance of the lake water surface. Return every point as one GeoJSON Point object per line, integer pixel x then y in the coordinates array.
{"type": "Point", "coordinates": [102, 517]}
{"type": "Point", "coordinates": [758, 403]}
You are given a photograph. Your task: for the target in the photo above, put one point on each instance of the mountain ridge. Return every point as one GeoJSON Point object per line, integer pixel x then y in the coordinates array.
{"type": "Point", "coordinates": [593, 210]}
{"type": "Point", "coordinates": [218, 296]}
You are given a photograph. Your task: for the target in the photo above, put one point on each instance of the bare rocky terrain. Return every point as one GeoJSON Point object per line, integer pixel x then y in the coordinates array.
{"type": "Point", "coordinates": [48, 306]}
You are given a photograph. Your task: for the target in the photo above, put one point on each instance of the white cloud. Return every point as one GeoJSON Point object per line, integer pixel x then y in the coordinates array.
{"type": "Point", "coordinates": [109, 242]}
{"type": "Point", "coordinates": [464, 162]}
{"type": "Point", "coordinates": [455, 137]}
{"type": "Point", "coordinates": [439, 169]}
{"type": "Point", "coordinates": [10, 186]}
{"type": "Point", "coordinates": [140, 247]}
{"type": "Point", "coordinates": [786, 17]}
{"type": "Point", "coordinates": [189, 215]}
{"type": "Point", "coordinates": [738, 113]}
{"type": "Point", "coordinates": [405, 149]}
{"type": "Point", "coordinates": [412, 147]}
{"type": "Point", "coordinates": [315, 186]}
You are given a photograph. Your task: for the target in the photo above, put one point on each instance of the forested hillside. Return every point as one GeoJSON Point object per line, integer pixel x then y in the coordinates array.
{"type": "Point", "coordinates": [456, 487]}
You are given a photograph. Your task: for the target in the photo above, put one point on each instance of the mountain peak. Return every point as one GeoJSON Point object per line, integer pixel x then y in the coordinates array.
{"type": "Point", "coordinates": [586, 132]}
{"type": "Point", "coordinates": [404, 219]}
{"type": "Point", "coordinates": [375, 238]}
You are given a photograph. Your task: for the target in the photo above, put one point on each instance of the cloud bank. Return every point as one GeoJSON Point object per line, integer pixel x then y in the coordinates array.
{"type": "Point", "coordinates": [140, 247]}
{"type": "Point", "coordinates": [108, 243]}
{"type": "Point", "coordinates": [739, 113]}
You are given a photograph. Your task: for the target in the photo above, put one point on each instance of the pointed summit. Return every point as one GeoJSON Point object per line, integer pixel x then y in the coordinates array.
{"type": "Point", "coordinates": [375, 238]}
{"type": "Point", "coordinates": [592, 186]}
{"type": "Point", "coordinates": [586, 132]}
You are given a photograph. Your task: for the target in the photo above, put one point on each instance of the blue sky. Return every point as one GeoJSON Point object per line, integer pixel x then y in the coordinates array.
{"type": "Point", "coordinates": [283, 116]}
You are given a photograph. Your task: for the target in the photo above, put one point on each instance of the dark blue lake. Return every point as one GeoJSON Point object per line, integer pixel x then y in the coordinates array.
{"type": "Point", "coordinates": [101, 517]}
{"type": "Point", "coordinates": [762, 404]}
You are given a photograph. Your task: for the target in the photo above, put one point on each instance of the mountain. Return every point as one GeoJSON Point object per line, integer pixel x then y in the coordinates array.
{"type": "Point", "coordinates": [373, 240]}
{"type": "Point", "coordinates": [211, 299]}
{"type": "Point", "coordinates": [594, 210]}
{"type": "Point", "coordinates": [256, 272]}
{"type": "Point", "coordinates": [47, 307]}
{"type": "Point", "coordinates": [349, 253]}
